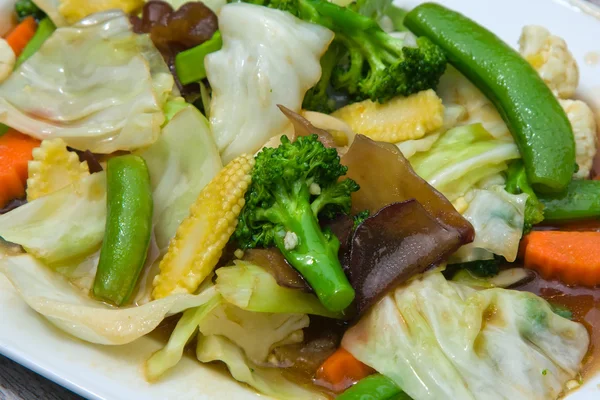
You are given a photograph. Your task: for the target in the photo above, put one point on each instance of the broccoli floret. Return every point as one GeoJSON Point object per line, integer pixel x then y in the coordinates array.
{"type": "Point", "coordinates": [292, 186]}
{"type": "Point", "coordinates": [373, 65]}
{"type": "Point", "coordinates": [517, 183]}
{"type": "Point", "coordinates": [360, 218]}
{"type": "Point", "coordinates": [317, 98]}
{"type": "Point", "coordinates": [25, 8]}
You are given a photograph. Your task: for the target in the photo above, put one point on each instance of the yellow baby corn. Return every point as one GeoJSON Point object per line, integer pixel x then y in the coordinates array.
{"type": "Point", "coordinates": [402, 118]}
{"type": "Point", "coordinates": [53, 167]}
{"type": "Point", "coordinates": [201, 237]}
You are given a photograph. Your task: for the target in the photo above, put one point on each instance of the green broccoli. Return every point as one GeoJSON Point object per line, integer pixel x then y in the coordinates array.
{"type": "Point", "coordinates": [360, 218]}
{"type": "Point", "coordinates": [292, 186]}
{"type": "Point", "coordinates": [373, 65]}
{"type": "Point", "coordinates": [480, 268]}
{"type": "Point", "coordinates": [26, 8]}
{"type": "Point", "coordinates": [517, 183]}
{"type": "Point", "coordinates": [317, 98]}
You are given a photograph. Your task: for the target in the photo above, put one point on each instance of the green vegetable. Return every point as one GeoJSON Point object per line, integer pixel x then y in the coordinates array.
{"type": "Point", "coordinates": [291, 186]}
{"type": "Point", "coordinates": [26, 8]}
{"type": "Point", "coordinates": [446, 340]}
{"type": "Point", "coordinates": [128, 228]}
{"type": "Point", "coordinates": [373, 65]}
{"type": "Point", "coordinates": [516, 183]}
{"type": "Point", "coordinates": [462, 157]}
{"type": "Point", "coordinates": [481, 268]}
{"type": "Point", "coordinates": [3, 129]}
{"type": "Point", "coordinates": [251, 288]}
{"type": "Point", "coordinates": [360, 218]}
{"type": "Point", "coordinates": [561, 310]}
{"type": "Point", "coordinates": [534, 116]}
{"type": "Point", "coordinates": [374, 387]}
{"type": "Point", "coordinates": [580, 200]}
{"type": "Point", "coordinates": [317, 98]}
{"type": "Point", "coordinates": [189, 64]}
{"type": "Point", "coordinates": [43, 32]}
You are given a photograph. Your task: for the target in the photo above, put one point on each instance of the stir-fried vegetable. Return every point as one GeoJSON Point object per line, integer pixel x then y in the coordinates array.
{"type": "Point", "coordinates": [401, 118]}
{"type": "Point", "coordinates": [190, 63]}
{"type": "Point", "coordinates": [26, 8]}
{"type": "Point", "coordinates": [572, 257]}
{"type": "Point", "coordinates": [44, 30]}
{"type": "Point", "coordinates": [21, 35]}
{"type": "Point", "coordinates": [340, 370]}
{"type": "Point", "coordinates": [374, 387]}
{"type": "Point", "coordinates": [53, 167]}
{"type": "Point", "coordinates": [535, 118]}
{"type": "Point", "coordinates": [62, 226]}
{"type": "Point", "coordinates": [128, 228]}
{"type": "Point", "coordinates": [96, 85]}
{"type": "Point", "coordinates": [437, 339]}
{"type": "Point", "coordinates": [201, 237]}
{"type": "Point", "coordinates": [15, 152]}
{"type": "Point", "coordinates": [292, 186]}
{"type": "Point", "coordinates": [286, 54]}
{"type": "Point", "coordinates": [380, 66]}
{"type": "Point", "coordinates": [516, 183]}
{"type": "Point", "coordinates": [581, 199]}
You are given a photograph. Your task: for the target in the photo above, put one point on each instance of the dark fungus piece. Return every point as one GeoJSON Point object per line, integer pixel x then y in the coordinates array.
{"type": "Point", "coordinates": [399, 242]}
{"type": "Point", "coordinates": [275, 264]}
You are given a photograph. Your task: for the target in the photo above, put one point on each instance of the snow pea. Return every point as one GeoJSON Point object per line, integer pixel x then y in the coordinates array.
{"type": "Point", "coordinates": [535, 118]}
{"type": "Point", "coordinates": [374, 387]}
{"type": "Point", "coordinates": [43, 32]}
{"type": "Point", "coordinates": [189, 64]}
{"type": "Point", "coordinates": [580, 200]}
{"type": "Point", "coordinates": [128, 228]}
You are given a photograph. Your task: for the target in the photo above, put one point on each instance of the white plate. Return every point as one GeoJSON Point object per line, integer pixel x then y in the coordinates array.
{"type": "Point", "coordinates": [114, 373]}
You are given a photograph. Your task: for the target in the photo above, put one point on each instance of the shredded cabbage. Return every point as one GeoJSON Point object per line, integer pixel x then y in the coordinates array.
{"type": "Point", "coordinates": [64, 225]}
{"type": "Point", "coordinates": [266, 380]}
{"type": "Point", "coordinates": [95, 84]}
{"type": "Point", "coordinates": [461, 157]}
{"type": "Point", "coordinates": [497, 217]}
{"type": "Point", "coordinates": [74, 312]}
{"type": "Point", "coordinates": [269, 57]}
{"type": "Point", "coordinates": [181, 162]}
{"type": "Point", "coordinates": [441, 340]}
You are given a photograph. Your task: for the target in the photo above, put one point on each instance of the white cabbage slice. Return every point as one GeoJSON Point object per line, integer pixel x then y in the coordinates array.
{"type": "Point", "coordinates": [269, 57]}
{"type": "Point", "coordinates": [63, 225]}
{"type": "Point", "coordinates": [68, 309]}
{"type": "Point", "coordinates": [255, 333]}
{"type": "Point", "coordinates": [461, 157]}
{"type": "Point", "coordinates": [497, 217]}
{"type": "Point", "coordinates": [268, 381]}
{"type": "Point", "coordinates": [441, 340]}
{"type": "Point", "coordinates": [181, 162]}
{"type": "Point", "coordinates": [95, 84]}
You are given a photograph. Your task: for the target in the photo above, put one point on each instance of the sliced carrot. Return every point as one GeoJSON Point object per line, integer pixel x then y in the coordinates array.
{"type": "Point", "coordinates": [21, 35]}
{"type": "Point", "coordinates": [341, 370]}
{"type": "Point", "coordinates": [15, 153]}
{"type": "Point", "coordinates": [572, 257]}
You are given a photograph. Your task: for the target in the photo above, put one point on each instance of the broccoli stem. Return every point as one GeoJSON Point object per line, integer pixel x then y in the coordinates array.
{"type": "Point", "coordinates": [315, 255]}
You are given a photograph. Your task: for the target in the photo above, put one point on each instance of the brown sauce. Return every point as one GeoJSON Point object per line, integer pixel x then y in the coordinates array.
{"type": "Point", "coordinates": [585, 305]}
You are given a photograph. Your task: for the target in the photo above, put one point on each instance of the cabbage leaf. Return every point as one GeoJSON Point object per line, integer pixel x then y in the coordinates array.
{"type": "Point", "coordinates": [95, 84]}
{"type": "Point", "coordinates": [441, 340]}
{"type": "Point", "coordinates": [497, 217]}
{"type": "Point", "coordinates": [251, 288]}
{"type": "Point", "coordinates": [181, 162]}
{"type": "Point", "coordinates": [461, 157]}
{"type": "Point", "coordinates": [63, 225]}
{"type": "Point", "coordinates": [72, 311]}
{"type": "Point", "coordinates": [269, 57]}
{"type": "Point", "coordinates": [266, 380]}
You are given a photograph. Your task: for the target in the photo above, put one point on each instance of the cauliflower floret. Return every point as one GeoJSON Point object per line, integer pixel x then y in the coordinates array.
{"type": "Point", "coordinates": [7, 59]}
{"type": "Point", "coordinates": [584, 129]}
{"type": "Point", "coordinates": [551, 58]}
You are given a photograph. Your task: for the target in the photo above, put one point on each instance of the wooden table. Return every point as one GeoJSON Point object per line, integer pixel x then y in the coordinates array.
{"type": "Point", "coordinates": [18, 383]}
